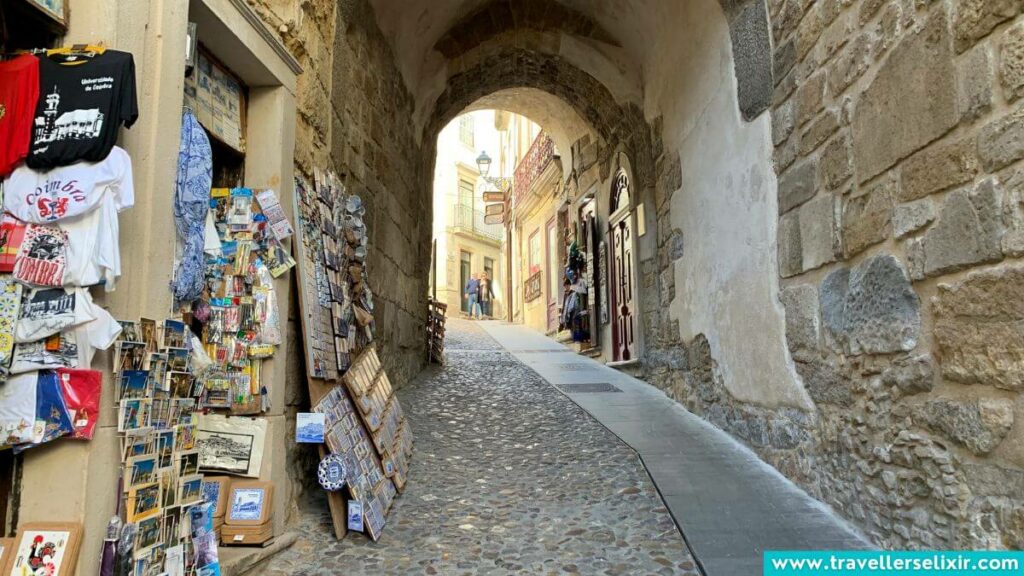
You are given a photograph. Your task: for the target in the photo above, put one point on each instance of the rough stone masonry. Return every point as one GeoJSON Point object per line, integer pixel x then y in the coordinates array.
{"type": "Point", "coordinates": [899, 135]}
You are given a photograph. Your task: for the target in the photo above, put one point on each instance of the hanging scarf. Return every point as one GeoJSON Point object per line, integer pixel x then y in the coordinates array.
{"type": "Point", "coordinates": [191, 202]}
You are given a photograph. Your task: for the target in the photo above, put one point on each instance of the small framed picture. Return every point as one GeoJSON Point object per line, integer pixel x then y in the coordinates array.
{"type": "Point", "coordinates": [190, 490]}
{"type": "Point", "coordinates": [355, 515]}
{"type": "Point", "coordinates": [46, 548]}
{"type": "Point", "coordinates": [140, 470]}
{"type": "Point", "coordinates": [309, 428]}
{"type": "Point", "coordinates": [215, 489]}
{"type": "Point", "coordinates": [249, 503]}
{"type": "Point", "coordinates": [188, 463]}
{"type": "Point", "coordinates": [143, 502]}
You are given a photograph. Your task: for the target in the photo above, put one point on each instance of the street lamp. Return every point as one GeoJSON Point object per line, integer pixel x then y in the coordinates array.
{"type": "Point", "coordinates": [483, 164]}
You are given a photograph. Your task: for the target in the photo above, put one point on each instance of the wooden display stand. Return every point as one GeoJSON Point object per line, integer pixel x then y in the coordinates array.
{"type": "Point", "coordinates": [436, 315]}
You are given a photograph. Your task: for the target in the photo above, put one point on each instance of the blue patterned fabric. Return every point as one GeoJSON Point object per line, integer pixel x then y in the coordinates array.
{"type": "Point", "coordinates": [191, 202]}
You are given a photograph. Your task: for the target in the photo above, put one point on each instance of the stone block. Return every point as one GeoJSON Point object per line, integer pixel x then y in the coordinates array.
{"type": "Point", "coordinates": [850, 64]}
{"type": "Point", "coordinates": [867, 219]}
{"type": "Point", "coordinates": [818, 131]}
{"type": "Point", "coordinates": [875, 312]}
{"type": "Point", "coordinates": [911, 375]}
{"type": "Point", "coordinates": [968, 231]}
{"type": "Point", "coordinates": [978, 425]}
{"type": "Point", "coordinates": [818, 234]}
{"type": "Point", "coordinates": [835, 164]}
{"type": "Point", "coordinates": [786, 154]}
{"type": "Point", "coordinates": [979, 328]}
{"type": "Point", "coordinates": [784, 60]}
{"type": "Point", "coordinates": [975, 19]}
{"type": "Point", "coordinates": [911, 101]}
{"type": "Point", "coordinates": [975, 77]}
{"type": "Point", "coordinates": [881, 312]}
{"type": "Point", "coordinates": [797, 185]}
{"type": "Point", "coordinates": [912, 216]}
{"type": "Point", "coordinates": [939, 167]}
{"type": "Point", "coordinates": [825, 383]}
{"type": "Point", "coordinates": [868, 9]}
{"type": "Point", "coordinates": [1013, 215]}
{"type": "Point", "coordinates": [1011, 62]}
{"type": "Point", "coordinates": [802, 322]}
{"type": "Point", "coordinates": [790, 257]}
{"type": "Point", "coordinates": [810, 97]}
{"type": "Point", "coordinates": [783, 122]}
{"type": "Point", "coordinates": [832, 298]}
{"type": "Point", "coordinates": [1001, 142]}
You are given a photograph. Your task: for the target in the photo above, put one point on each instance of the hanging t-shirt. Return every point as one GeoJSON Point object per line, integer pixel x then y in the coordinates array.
{"type": "Point", "coordinates": [42, 256]}
{"type": "Point", "coordinates": [45, 312]}
{"type": "Point", "coordinates": [68, 191]}
{"type": "Point", "coordinates": [82, 104]}
{"type": "Point", "coordinates": [73, 348]}
{"type": "Point", "coordinates": [10, 305]}
{"type": "Point", "coordinates": [93, 252]}
{"type": "Point", "coordinates": [19, 94]}
{"type": "Point", "coordinates": [12, 232]}
{"type": "Point", "coordinates": [82, 396]}
{"type": "Point", "coordinates": [18, 408]}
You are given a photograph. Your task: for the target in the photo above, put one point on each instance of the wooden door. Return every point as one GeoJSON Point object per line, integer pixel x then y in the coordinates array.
{"type": "Point", "coordinates": [554, 286]}
{"type": "Point", "coordinates": [623, 308]}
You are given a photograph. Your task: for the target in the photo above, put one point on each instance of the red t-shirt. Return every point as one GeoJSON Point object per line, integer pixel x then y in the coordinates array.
{"type": "Point", "coordinates": [19, 94]}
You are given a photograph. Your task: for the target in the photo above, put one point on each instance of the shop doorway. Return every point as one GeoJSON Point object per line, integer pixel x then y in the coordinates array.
{"type": "Point", "coordinates": [622, 292]}
{"type": "Point", "coordinates": [554, 286]}
{"type": "Point", "coordinates": [465, 269]}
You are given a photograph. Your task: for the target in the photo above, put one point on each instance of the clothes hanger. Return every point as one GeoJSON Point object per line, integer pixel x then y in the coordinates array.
{"type": "Point", "coordinates": [77, 50]}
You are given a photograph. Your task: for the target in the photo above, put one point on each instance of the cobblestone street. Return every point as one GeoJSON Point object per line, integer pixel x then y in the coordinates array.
{"type": "Point", "coordinates": [508, 477]}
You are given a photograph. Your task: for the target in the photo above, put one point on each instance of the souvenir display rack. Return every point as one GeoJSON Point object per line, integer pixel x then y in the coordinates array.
{"type": "Point", "coordinates": [159, 371]}
{"type": "Point", "coordinates": [436, 314]}
{"type": "Point", "coordinates": [337, 322]}
{"type": "Point", "coordinates": [238, 312]}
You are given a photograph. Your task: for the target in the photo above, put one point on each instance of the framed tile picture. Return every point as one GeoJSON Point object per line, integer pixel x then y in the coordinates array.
{"type": "Point", "coordinates": [45, 548]}
{"type": "Point", "coordinates": [249, 503]}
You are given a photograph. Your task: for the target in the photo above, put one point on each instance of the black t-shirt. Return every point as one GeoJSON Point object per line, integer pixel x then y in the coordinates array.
{"type": "Point", "coordinates": [81, 107]}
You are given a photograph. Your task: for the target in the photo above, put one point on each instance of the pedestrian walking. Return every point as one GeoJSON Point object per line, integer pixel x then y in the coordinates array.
{"type": "Point", "coordinates": [486, 295]}
{"type": "Point", "coordinates": [472, 293]}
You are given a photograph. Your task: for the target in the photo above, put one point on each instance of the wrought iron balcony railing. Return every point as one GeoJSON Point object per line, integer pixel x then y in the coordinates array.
{"type": "Point", "coordinates": [537, 158]}
{"type": "Point", "coordinates": [470, 220]}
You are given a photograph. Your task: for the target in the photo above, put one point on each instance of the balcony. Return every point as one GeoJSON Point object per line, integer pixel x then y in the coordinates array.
{"type": "Point", "coordinates": [468, 221]}
{"type": "Point", "coordinates": [537, 158]}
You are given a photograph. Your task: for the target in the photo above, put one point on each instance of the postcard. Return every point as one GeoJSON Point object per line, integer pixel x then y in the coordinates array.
{"type": "Point", "coordinates": [143, 502]}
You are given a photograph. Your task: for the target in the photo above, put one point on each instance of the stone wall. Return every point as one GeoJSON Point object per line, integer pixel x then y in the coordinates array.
{"type": "Point", "coordinates": [355, 117]}
{"type": "Point", "coordinates": [898, 129]}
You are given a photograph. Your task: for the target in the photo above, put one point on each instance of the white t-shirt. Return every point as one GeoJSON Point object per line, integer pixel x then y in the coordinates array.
{"type": "Point", "coordinates": [69, 191]}
{"type": "Point", "coordinates": [75, 348]}
{"type": "Point", "coordinates": [45, 312]}
{"type": "Point", "coordinates": [18, 408]}
{"type": "Point", "coordinates": [93, 252]}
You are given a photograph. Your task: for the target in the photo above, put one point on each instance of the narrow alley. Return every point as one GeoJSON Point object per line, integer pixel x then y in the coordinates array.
{"type": "Point", "coordinates": [524, 468]}
{"type": "Point", "coordinates": [511, 477]}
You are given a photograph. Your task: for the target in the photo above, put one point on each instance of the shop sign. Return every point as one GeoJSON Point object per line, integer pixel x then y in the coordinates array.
{"type": "Point", "coordinates": [494, 209]}
{"type": "Point", "coordinates": [602, 271]}
{"type": "Point", "coordinates": [494, 218]}
{"type": "Point", "coordinates": [533, 287]}
{"type": "Point", "coordinates": [494, 196]}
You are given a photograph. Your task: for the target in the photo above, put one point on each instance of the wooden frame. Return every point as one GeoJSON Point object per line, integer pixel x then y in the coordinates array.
{"type": "Point", "coordinates": [69, 558]}
{"type": "Point", "coordinates": [267, 488]}
{"type": "Point", "coordinates": [59, 17]}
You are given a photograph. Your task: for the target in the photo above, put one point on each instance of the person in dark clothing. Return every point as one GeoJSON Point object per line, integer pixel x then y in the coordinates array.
{"type": "Point", "coordinates": [472, 293]}
{"type": "Point", "coordinates": [486, 295]}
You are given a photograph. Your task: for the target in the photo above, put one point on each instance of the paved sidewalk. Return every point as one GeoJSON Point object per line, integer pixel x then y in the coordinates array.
{"type": "Point", "coordinates": [509, 477]}
{"type": "Point", "coordinates": [730, 505]}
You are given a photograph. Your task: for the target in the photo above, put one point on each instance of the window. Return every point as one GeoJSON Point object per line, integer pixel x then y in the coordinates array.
{"type": "Point", "coordinates": [534, 253]}
{"type": "Point", "coordinates": [466, 193]}
{"type": "Point", "coordinates": [466, 130]}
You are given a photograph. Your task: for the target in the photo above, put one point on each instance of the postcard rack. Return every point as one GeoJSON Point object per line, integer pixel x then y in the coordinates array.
{"type": "Point", "coordinates": [436, 312]}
